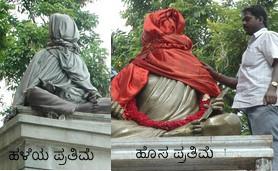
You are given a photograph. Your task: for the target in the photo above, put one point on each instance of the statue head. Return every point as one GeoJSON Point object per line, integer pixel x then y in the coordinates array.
{"type": "Point", "coordinates": [167, 21]}
{"type": "Point", "coordinates": [166, 25]}
{"type": "Point", "coordinates": [62, 28]}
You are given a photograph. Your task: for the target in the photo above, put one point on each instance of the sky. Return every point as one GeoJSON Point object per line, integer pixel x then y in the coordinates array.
{"type": "Point", "coordinates": [110, 20]}
{"type": "Point", "coordinates": [5, 97]}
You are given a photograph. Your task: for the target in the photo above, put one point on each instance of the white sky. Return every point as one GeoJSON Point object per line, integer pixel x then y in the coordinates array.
{"type": "Point", "coordinates": [5, 97]}
{"type": "Point", "coordinates": [109, 20]}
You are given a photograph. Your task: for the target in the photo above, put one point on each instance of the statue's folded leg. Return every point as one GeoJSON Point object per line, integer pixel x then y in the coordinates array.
{"type": "Point", "coordinates": [190, 129]}
{"type": "Point", "coordinates": [104, 105]}
{"type": "Point", "coordinates": [44, 101]}
{"type": "Point", "coordinates": [223, 124]}
{"type": "Point", "coordinates": [40, 99]}
{"type": "Point", "coordinates": [128, 129]}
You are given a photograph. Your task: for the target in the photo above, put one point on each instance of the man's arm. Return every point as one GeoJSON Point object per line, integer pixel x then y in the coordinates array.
{"type": "Point", "coordinates": [228, 81]}
{"type": "Point", "coordinates": [271, 95]}
{"type": "Point", "coordinates": [223, 79]}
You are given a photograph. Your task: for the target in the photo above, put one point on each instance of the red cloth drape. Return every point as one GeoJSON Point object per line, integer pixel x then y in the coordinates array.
{"type": "Point", "coordinates": [128, 83]}
{"type": "Point", "coordinates": [167, 52]}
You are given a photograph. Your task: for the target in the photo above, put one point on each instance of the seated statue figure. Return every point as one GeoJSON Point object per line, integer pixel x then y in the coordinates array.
{"type": "Point", "coordinates": [166, 90]}
{"type": "Point", "coordinates": [57, 79]}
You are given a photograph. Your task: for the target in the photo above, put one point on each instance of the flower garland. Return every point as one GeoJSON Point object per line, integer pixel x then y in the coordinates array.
{"type": "Point", "coordinates": [132, 113]}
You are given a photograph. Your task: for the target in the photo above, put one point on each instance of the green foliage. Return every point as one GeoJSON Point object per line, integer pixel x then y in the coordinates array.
{"type": "Point", "coordinates": [244, 125]}
{"type": "Point", "coordinates": [227, 41]}
{"type": "Point", "coordinates": [121, 52]}
{"type": "Point", "coordinates": [23, 38]}
{"type": "Point", "coordinates": [96, 64]}
{"type": "Point", "coordinates": [4, 22]}
{"type": "Point", "coordinates": [26, 39]}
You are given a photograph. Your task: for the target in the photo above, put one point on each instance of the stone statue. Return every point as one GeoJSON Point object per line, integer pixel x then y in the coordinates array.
{"type": "Point", "coordinates": [57, 79]}
{"type": "Point", "coordinates": [166, 90]}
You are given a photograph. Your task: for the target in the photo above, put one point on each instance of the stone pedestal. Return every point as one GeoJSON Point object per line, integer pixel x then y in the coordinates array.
{"type": "Point", "coordinates": [33, 142]}
{"type": "Point", "coordinates": [192, 153]}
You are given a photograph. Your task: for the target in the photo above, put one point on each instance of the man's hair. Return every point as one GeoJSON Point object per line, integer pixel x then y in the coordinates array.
{"type": "Point", "coordinates": [257, 11]}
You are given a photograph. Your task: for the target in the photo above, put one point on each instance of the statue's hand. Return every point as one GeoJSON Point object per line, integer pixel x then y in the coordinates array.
{"type": "Point", "coordinates": [116, 110]}
{"type": "Point", "coordinates": [217, 105]}
{"type": "Point", "coordinates": [197, 128]}
{"type": "Point", "coordinates": [194, 128]}
{"type": "Point", "coordinates": [46, 85]}
{"type": "Point", "coordinates": [92, 96]}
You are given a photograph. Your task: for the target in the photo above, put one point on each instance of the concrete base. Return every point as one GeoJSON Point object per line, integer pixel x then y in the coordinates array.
{"type": "Point", "coordinates": [33, 142]}
{"type": "Point", "coordinates": [192, 153]}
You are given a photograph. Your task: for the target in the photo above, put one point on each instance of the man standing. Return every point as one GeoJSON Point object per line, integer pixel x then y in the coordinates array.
{"type": "Point", "coordinates": [257, 79]}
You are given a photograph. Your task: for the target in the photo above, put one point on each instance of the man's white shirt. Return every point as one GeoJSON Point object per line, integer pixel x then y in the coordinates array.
{"type": "Point", "coordinates": [255, 72]}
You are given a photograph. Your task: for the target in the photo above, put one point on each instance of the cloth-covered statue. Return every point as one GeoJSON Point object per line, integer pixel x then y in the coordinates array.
{"type": "Point", "coordinates": [57, 79]}
{"type": "Point", "coordinates": [165, 90]}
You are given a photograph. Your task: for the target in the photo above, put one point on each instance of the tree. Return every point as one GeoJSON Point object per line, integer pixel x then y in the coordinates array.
{"type": "Point", "coordinates": [5, 24]}
{"type": "Point", "coordinates": [23, 38]}
{"type": "Point", "coordinates": [121, 49]}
